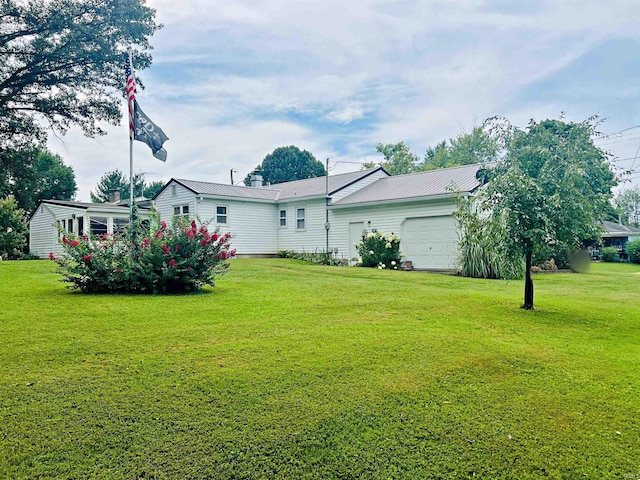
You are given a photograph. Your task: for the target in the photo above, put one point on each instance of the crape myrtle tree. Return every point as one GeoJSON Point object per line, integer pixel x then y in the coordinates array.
{"type": "Point", "coordinates": [61, 64]}
{"type": "Point", "coordinates": [552, 187]}
{"type": "Point", "coordinates": [286, 164]}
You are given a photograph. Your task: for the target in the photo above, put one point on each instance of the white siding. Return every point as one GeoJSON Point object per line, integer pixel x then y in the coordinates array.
{"type": "Point", "coordinates": [43, 237]}
{"type": "Point", "coordinates": [387, 218]}
{"type": "Point", "coordinates": [358, 185]}
{"type": "Point", "coordinates": [313, 237]}
{"type": "Point", "coordinates": [165, 202]}
{"type": "Point", "coordinates": [252, 224]}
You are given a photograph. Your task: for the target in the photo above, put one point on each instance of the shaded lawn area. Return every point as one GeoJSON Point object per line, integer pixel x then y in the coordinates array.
{"type": "Point", "coordinates": [290, 370]}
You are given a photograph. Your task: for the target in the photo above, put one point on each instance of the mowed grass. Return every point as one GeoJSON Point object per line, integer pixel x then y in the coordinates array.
{"type": "Point", "coordinates": [290, 370]}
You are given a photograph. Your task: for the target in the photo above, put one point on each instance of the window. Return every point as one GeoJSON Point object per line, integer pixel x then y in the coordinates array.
{"type": "Point", "coordinates": [283, 218]}
{"type": "Point", "coordinates": [300, 218]}
{"type": "Point", "coordinates": [173, 190]}
{"type": "Point", "coordinates": [181, 210]}
{"type": "Point", "coordinates": [221, 214]}
{"type": "Point", "coordinates": [80, 225]}
{"type": "Point", "coordinates": [119, 224]}
{"type": "Point", "coordinates": [70, 225]}
{"type": "Point", "coordinates": [98, 225]}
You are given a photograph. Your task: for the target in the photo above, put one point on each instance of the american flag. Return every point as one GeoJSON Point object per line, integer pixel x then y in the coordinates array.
{"type": "Point", "coordinates": [131, 95]}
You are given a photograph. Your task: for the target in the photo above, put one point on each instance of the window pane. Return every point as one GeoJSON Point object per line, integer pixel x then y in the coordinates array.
{"type": "Point", "coordinates": [185, 209]}
{"type": "Point", "coordinates": [221, 214]}
{"type": "Point", "coordinates": [119, 224]}
{"type": "Point", "coordinates": [300, 224]}
{"type": "Point", "coordinates": [98, 225]}
{"type": "Point", "coordinates": [176, 210]}
{"type": "Point", "coordinates": [70, 225]}
{"type": "Point", "coordinates": [283, 218]}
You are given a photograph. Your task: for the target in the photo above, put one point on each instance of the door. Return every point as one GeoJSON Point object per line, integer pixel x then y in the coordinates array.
{"type": "Point", "coordinates": [430, 242]}
{"type": "Point", "coordinates": [355, 235]}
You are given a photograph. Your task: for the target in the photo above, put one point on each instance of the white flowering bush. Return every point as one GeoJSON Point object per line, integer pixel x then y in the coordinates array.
{"type": "Point", "coordinates": [379, 250]}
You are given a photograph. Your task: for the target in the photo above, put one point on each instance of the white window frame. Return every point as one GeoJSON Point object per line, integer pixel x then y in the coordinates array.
{"type": "Point", "coordinates": [302, 218]}
{"type": "Point", "coordinates": [282, 217]}
{"type": "Point", "coordinates": [183, 210]}
{"type": "Point", "coordinates": [220, 215]}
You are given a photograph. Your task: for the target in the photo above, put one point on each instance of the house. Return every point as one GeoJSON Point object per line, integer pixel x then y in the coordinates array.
{"type": "Point", "coordinates": [618, 235]}
{"type": "Point", "coordinates": [329, 213]}
{"type": "Point", "coordinates": [74, 217]}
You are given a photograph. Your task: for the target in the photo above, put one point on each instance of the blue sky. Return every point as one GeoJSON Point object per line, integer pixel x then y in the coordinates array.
{"type": "Point", "coordinates": [231, 81]}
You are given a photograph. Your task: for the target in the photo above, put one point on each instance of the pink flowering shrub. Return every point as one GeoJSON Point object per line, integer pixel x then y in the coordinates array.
{"type": "Point", "coordinates": [151, 259]}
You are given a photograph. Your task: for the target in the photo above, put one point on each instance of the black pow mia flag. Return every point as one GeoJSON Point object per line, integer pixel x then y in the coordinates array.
{"type": "Point", "coordinates": [148, 132]}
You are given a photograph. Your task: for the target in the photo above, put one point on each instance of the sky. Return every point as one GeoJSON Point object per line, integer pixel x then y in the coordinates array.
{"type": "Point", "coordinates": [233, 80]}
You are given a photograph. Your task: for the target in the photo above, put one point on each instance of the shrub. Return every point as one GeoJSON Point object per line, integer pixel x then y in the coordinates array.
{"type": "Point", "coordinates": [482, 251]}
{"type": "Point", "coordinates": [319, 258]}
{"type": "Point", "coordinates": [633, 249]}
{"type": "Point", "coordinates": [559, 253]}
{"type": "Point", "coordinates": [377, 249]}
{"type": "Point", "coordinates": [155, 259]}
{"type": "Point", "coordinates": [608, 254]}
{"type": "Point", "coordinates": [13, 229]}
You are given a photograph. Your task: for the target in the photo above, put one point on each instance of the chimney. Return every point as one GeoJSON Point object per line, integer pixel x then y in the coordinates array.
{"type": "Point", "coordinates": [114, 196]}
{"type": "Point", "coordinates": [256, 179]}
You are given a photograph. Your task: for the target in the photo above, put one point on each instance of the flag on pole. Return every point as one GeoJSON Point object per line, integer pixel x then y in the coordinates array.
{"type": "Point", "coordinates": [131, 94]}
{"type": "Point", "coordinates": [148, 132]}
{"type": "Point", "coordinates": [141, 128]}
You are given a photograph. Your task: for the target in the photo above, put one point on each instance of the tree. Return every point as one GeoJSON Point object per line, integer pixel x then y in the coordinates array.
{"type": "Point", "coordinates": [152, 188]}
{"type": "Point", "coordinates": [552, 187]}
{"type": "Point", "coordinates": [34, 174]}
{"type": "Point", "coordinates": [13, 228]}
{"type": "Point", "coordinates": [116, 181]}
{"type": "Point", "coordinates": [628, 204]}
{"type": "Point", "coordinates": [398, 159]}
{"type": "Point", "coordinates": [286, 164]}
{"type": "Point", "coordinates": [61, 61]}
{"type": "Point", "coordinates": [466, 149]}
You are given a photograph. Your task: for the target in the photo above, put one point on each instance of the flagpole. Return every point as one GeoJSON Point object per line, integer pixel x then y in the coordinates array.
{"type": "Point", "coordinates": [130, 147]}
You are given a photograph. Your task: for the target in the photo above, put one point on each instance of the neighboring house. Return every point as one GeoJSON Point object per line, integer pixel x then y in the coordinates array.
{"type": "Point", "coordinates": [618, 235]}
{"type": "Point", "coordinates": [74, 217]}
{"type": "Point", "coordinates": [331, 212]}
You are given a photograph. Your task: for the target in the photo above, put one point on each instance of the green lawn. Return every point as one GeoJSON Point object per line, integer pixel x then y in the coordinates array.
{"type": "Point", "coordinates": [289, 370]}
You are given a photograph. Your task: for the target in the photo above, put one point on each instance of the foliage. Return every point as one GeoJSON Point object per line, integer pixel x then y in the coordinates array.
{"type": "Point", "coordinates": [13, 229]}
{"type": "Point", "coordinates": [61, 61]}
{"type": "Point", "coordinates": [286, 164]}
{"type": "Point", "coordinates": [482, 247]}
{"type": "Point", "coordinates": [35, 174]}
{"type": "Point", "coordinates": [558, 253]}
{"type": "Point", "coordinates": [151, 189]}
{"type": "Point", "coordinates": [609, 254]}
{"type": "Point", "coordinates": [633, 249]}
{"type": "Point", "coordinates": [116, 181]}
{"type": "Point", "coordinates": [466, 149]}
{"type": "Point", "coordinates": [551, 188]}
{"type": "Point", "coordinates": [398, 159]}
{"type": "Point", "coordinates": [628, 203]}
{"type": "Point", "coordinates": [173, 259]}
{"type": "Point", "coordinates": [294, 371]}
{"type": "Point", "coordinates": [377, 249]}
{"type": "Point", "coordinates": [319, 258]}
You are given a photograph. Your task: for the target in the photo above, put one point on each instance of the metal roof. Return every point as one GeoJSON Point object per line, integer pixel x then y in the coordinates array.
{"type": "Point", "coordinates": [87, 205]}
{"type": "Point", "coordinates": [309, 187]}
{"type": "Point", "coordinates": [223, 190]}
{"type": "Point", "coordinates": [417, 185]}
{"type": "Point", "coordinates": [614, 229]}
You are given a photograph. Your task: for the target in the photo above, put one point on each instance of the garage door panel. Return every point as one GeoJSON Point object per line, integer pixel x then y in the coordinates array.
{"type": "Point", "coordinates": [430, 242]}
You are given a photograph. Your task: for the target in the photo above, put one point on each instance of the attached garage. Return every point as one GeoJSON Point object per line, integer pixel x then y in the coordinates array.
{"type": "Point", "coordinates": [430, 242]}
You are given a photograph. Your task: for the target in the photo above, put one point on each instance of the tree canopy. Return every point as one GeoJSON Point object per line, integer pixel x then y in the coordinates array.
{"type": "Point", "coordinates": [61, 61]}
{"type": "Point", "coordinates": [466, 149]}
{"type": "Point", "coordinates": [398, 159]}
{"type": "Point", "coordinates": [628, 204]}
{"type": "Point", "coordinates": [34, 174]}
{"type": "Point", "coordinates": [552, 187]}
{"type": "Point", "coordinates": [286, 164]}
{"type": "Point", "coordinates": [116, 181]}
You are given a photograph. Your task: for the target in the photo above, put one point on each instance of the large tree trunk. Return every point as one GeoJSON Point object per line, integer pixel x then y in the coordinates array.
{"type": "Point", "coordinates": [528, 282]}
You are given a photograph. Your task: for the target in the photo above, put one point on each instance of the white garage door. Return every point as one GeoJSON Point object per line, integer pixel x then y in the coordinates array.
{"type": "Point", "coordinates": [430, 242]}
